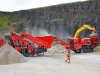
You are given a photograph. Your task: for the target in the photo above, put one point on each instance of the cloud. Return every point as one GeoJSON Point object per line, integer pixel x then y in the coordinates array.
{"type": "Point", "coordinates": [15, 5]}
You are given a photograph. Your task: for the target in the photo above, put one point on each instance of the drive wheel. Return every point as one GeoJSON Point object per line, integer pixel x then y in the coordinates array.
{"type": "Point", "coordinates": [91, 50]}
{"type": "Point", "coordinates": [84, 51]}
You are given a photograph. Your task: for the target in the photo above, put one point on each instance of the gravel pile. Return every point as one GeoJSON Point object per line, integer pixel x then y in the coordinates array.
{"type": "Point", "coordinates": [8, 55]}
{"type": "Point", "coordinates": [97, 49]}
{"type": "Point", "coordinates": [57, 49]}
{"type": "Point", "coordinates": [60, 49]}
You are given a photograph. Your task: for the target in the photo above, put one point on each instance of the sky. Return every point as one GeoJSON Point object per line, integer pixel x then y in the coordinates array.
{"type": "Point", "coordinates": [16, 5]}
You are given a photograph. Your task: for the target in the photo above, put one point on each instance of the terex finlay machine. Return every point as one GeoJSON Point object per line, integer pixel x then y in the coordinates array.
{"type": "Point", "coordinates": [27, 44]}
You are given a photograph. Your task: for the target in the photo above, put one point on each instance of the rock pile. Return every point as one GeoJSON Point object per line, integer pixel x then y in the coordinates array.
{"type": "Point", "coordinates": [57, 49]}
{"type": "Point", "coordinates": [8, 55]}
{"type": "Point", "coordinates": [97, 49]}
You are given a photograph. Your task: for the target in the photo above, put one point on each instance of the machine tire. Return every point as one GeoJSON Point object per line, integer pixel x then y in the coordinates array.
{"type": "Point", "coordinates": [84, 51]}
{"type": "Point", "coordinates": [26, 55]}
{"type": "Point", "coordinates": [91, 50]}
{"type": "Point", "coordinates": [87, 49]}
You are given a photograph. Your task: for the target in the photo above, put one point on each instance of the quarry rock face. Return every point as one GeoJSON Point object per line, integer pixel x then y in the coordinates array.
{"type": "Point", "coordinates": [61, 20]}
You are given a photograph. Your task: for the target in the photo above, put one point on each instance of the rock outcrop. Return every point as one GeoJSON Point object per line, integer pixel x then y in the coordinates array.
{"type": "Point", "coordinates": [61, 20]}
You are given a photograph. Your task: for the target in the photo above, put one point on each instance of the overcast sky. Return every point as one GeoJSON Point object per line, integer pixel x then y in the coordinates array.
{"type": "Point", "coordinates": [15, 5]}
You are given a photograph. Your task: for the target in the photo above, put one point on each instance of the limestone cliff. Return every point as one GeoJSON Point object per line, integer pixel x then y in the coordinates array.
{"type": "Point", "coordinates": [61, 20]}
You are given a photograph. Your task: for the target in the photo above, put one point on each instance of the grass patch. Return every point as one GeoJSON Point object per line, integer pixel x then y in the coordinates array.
{"type": "Point", "coordinates": [5, 20]}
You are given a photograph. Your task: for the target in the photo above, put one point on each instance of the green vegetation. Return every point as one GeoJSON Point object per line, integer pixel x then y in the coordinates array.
{"type": "Point", "coordinates": [4, 20]}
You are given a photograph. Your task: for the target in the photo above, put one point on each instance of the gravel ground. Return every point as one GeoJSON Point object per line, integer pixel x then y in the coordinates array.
{"type": "Point", "coordinates": [81, 64]}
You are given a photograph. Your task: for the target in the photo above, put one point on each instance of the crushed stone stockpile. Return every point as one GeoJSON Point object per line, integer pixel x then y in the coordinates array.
{"type": "Point", "coordinates": [57, 49]}
{"type": "Point", "coordinates": [8, 55]}
{"type": "Point", "coordinates": [97, 49]}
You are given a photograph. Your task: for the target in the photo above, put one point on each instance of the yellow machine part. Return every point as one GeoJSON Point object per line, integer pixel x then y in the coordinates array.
{"type": "Point", "coordinates": [85, 26]}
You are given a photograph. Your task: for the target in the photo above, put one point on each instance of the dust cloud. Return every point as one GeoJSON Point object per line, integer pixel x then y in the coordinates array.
{"type": "Point", "coordinates": [62, 34]}
{"type": "Point", "coordinates": [39, 32]}
{"type": "Point", "coordinates": [66, 35]}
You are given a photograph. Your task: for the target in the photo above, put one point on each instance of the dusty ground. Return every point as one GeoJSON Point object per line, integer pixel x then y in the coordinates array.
{"type": "Point", "coordinates": [54, 64]}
